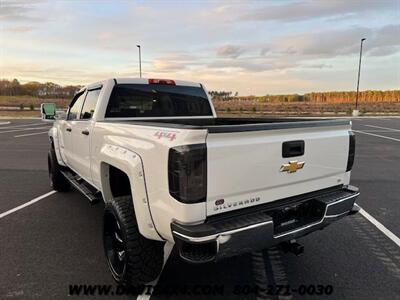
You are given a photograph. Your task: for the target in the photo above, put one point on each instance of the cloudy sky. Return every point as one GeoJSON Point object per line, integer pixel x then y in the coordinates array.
{"type": "Point", "coordinates": [253, 47]}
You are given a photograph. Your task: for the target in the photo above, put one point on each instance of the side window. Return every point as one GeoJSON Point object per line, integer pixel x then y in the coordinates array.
{"type": "Point", "coordinates": [90, 104]}
{"type": "Point", "coordinates": [76, 107]}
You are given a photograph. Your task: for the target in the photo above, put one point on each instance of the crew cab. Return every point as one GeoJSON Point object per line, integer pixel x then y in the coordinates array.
{"type": "Point", "coordinates": [168, 169]}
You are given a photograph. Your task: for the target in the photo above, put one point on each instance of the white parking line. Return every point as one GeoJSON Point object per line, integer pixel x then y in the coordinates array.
{"type": "Point", "coordinates": [36, 133]}
{"type": "Point", "coordinates": [377, 135]}
{"type": "Point", "coordinates": [387, 128]}
{"type": "Point", "coordinates": [24, 129]}
{"type": "Point", "coordinates": [381, 227]}
{"type": "Point", "coordinates": [167, 247]}
{"type": "Point", "coordinates": [146, 293]}
{"type": "Point", "coordinates": [379, 130]}
{"type": "Point", "coordinates": [24, 125]}
{"type": "Point", "coordinates": [5, 123]}
{"type": "Point", "coordinates": [2, 215]}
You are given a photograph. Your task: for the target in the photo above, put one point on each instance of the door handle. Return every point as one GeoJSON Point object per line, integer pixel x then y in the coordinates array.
{"type": "Point", "coordinates": [293, 148]}
{"type": "Point", "coordinates": [85, 132]}
{"type": "Point", "coordinates": [69, 129]}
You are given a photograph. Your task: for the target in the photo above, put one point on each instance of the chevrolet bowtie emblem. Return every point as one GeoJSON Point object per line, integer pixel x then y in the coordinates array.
{"type": "Point", "coordinates": [292, 166]}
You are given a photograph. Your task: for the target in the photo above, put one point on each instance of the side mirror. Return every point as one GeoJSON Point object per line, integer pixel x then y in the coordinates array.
{"type": "Point", "coordinates": [48, 111]}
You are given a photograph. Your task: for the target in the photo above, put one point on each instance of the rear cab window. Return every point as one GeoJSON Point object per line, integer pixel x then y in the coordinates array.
{"type": "Point", "coordinates": [157, 100]}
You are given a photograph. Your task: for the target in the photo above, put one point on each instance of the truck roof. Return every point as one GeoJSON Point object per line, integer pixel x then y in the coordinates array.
{"type": "Point", "coordinates": [127, 80]}
{"type": "Point", "coordinates": [146, 81]}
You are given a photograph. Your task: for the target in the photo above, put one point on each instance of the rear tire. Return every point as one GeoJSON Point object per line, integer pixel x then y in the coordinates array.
{"type": "Point", "coordinates": [57, 180]}
{"type": "Point", "coordinates": [132, 258]}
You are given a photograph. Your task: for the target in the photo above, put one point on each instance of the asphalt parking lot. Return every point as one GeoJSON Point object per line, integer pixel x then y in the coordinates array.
{"type": "Point", "coordinates": [56, 242]}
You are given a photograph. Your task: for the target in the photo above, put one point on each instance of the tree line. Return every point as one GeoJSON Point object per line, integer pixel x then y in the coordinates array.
{"type": "Point", "coordinates": [222, 95]}
{"type": "Point", "coordinates": [53, 90]}
{"type": "Point", "coordinates": [319, 97]}
{"type": "Point", "coordinates": [37, 89]}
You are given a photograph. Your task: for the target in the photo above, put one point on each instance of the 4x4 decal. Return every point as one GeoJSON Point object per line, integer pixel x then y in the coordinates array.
{"type": "Point", "coordinates": [171, 135]}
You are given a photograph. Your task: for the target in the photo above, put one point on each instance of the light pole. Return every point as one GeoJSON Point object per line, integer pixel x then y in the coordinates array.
{"type": "Point", "coordinates": [359, 70]}
{"type": "Point", "coordinates": [140, 61]}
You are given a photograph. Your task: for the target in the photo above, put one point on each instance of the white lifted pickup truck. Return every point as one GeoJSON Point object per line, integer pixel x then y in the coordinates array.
{"type": "Point", "coordinates": [168, 169]}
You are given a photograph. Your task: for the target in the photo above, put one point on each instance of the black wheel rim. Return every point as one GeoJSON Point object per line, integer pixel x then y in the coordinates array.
{"type": "Point", "coordinates": [114, 246]}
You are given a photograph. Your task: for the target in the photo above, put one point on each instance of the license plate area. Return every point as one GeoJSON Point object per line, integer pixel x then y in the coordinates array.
{"type": "Point", "coordinates": [298, 215]}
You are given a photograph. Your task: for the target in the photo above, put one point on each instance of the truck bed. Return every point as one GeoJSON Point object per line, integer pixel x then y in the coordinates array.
{"type": "Point", "coordinates": [226, 125]}
{"type": "Point", "coordinates": [254, 161]}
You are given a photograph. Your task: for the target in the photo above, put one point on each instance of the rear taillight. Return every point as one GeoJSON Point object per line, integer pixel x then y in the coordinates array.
{"type": "Point", "coordinates": [187, 173]}
{"type": "Point", "coordinates": [162, 81]}
{"type": "Point", "coordinates": [352, 149]}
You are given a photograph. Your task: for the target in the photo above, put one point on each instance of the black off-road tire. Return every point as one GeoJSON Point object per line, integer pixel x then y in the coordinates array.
{"type": "Point", "coordinates": [57, 180]}
{"type": "Point", "coordinates": [132, 258]}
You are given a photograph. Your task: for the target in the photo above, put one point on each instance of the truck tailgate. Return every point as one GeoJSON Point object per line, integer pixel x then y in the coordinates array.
{"type": "Point", "coordinates": [248, 168]}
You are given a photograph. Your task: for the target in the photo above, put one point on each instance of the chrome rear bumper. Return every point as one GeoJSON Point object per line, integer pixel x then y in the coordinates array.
{"type": "Point", "coordinates": [263, 226]}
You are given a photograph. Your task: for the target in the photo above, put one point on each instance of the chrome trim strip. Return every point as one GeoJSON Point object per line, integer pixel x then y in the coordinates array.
{"type": "Point", "coordinates": [338, 215]}
{"type": "Point", "coordinates": [233, 231]}
{"type": "Point", "coordinates": [315, 223]}
{"type": "Point", "coordinates": [215, 236]}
